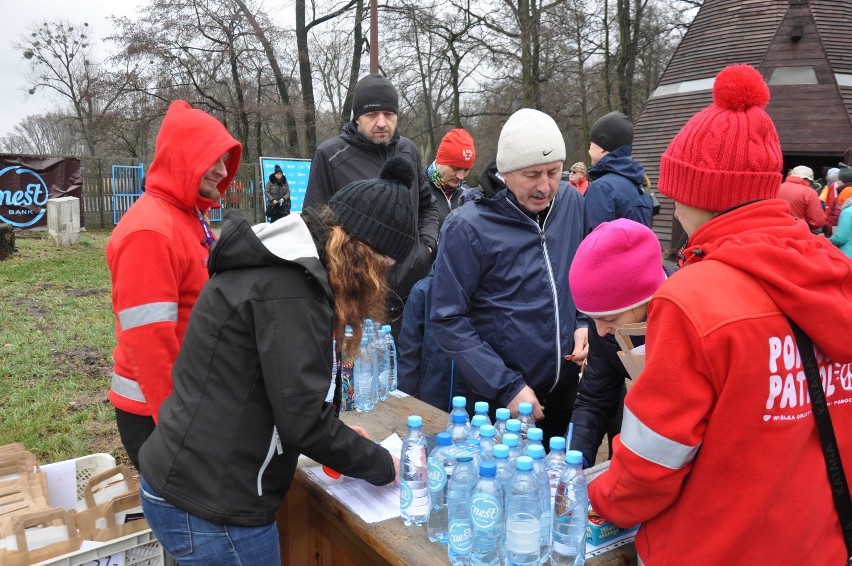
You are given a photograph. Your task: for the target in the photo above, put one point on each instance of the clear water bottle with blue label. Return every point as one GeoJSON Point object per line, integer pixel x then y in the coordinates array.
{"type": "Point", "coordinates": [481, 408]}
{"type": "Point", "coordinates": [503, 415]}
{"type": "Point", "coordinates": [475, 423]}
{"type": "Point", "coordinates": [525, 415]}
{"type": "Point", "coordinates": [440, 471]}
{"type": "Point", "coordinates": [486, 443]}
{"type": "Point", "coordinates": [505, 468]}
{"type": "Point", "coordinates": [513, 441]}
{"type": "Point", "coordinates": [486, 517]}
{"type": "Point", "coordinates": [362, 376]}
{"type": "Point", "coordinates": [522, 545]}
{"type": "Point", "coordinates": [390, 344]}
{"type": "Point", "coordinates": [414, 472]}
{"type": "Point", "coordinates": [570, 513]}
{"type": "Point", "coordinates": [513, 426]}
{"type": "Point", "coordinates": [459, 428]}
{"type": "Point", "coordinates": [534, 437]}
{"type": "Point", "coordinates": [459, 408]}
{"type": "Point", "coordinates": [555, 463]}
{"type": "Point", "coordinates": [459, 529]}
{"type": "Point", "coordinates": [383, 365]}
{"type": "Point", "coordinates": [536, 452]}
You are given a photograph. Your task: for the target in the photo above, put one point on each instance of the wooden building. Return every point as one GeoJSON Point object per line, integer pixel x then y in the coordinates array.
{"type": "Point", "coordinates": [803, 48]}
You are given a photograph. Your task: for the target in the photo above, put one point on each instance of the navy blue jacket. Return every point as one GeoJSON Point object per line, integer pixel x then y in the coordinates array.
{"type": "Point", "coordinates": [424, 370]}
{"type": "Point", "coordinates": [616, 190]}
{"type": "Point", "coordinates": [501, 306]}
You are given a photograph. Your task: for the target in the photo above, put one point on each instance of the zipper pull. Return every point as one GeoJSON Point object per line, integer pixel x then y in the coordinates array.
{"type": "Point", "coordinates": [278, 445]}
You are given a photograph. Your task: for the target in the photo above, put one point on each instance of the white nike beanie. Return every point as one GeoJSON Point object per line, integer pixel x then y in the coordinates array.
{"type": "Point", "coordinates": [529, 138]}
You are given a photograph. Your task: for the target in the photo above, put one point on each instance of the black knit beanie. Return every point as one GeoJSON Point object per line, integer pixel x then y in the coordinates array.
{"type": "Point", "coordinates": [374, 93]}
{"type": "Point", "coordinates": [379, 211]}
{"type": "Point", "coordinates": [612, 131]}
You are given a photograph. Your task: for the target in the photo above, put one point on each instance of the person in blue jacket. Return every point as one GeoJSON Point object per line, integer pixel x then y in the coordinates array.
{"type": "Point", "coordinates": [617, 187]}
{"type": "Point", "coordinates": [501, 306]}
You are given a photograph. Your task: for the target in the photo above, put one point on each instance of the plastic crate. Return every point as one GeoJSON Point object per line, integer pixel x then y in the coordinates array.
{"type": "Point", "coordinates": [138, 549]}
{"type": "Point", "coordinates": [86, 468]}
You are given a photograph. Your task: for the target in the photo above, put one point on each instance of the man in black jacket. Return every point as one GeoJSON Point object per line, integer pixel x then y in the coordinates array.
{"type": "Point", "coordinates": [363, 146]}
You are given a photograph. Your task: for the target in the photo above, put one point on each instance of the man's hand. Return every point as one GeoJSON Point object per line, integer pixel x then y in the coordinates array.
{"type": "Point", "coordinates": [581, 346]}
{"type": "Point", "coordinates": [526, 395]}
{"type": "Point", "coordinates": [274, 201]}
{"type": "Point", "coordinates": [360, 430]}
{"type": "Point", "coordinates": [396, 467]}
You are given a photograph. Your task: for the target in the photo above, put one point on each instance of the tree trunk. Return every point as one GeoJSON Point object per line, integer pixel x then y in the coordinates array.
{"type": "Point", "coordinates": [7, 241]}
{"type": "Point", "coordinates": [357, 50]}
{"type": "Point", "coordinates": [307, 81]}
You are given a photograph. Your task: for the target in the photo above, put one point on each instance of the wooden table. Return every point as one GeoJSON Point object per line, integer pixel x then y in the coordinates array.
{"type": "Point", "coordinates": [317, 529]}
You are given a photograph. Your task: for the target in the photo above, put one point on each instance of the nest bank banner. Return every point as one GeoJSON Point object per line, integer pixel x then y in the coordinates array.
{"type": "Point", "coordinates": [27, 182]}
{"type": "Point", "coordinates": [295, 170]}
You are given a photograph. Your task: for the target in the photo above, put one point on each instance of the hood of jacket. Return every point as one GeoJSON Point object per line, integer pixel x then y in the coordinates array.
{"type": "Point", "coordinates": [285, 241]}
{"type": "Point", "coordinates": [350, 133]}
{"type": "Point", "coordinates": [489, 183]}
{"type": "Point", "coordinates": [190, 141]}
{"type": "Point", "coordinates": [620, 162]}
{"type": "Point", "coordinates": [805, 275]}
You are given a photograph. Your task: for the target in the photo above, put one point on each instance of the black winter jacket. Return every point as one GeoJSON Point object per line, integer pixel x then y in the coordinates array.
{"type": "Point", "coordinates": [252, 382]}
{"type": "Point", "coordinates": [352, 157]}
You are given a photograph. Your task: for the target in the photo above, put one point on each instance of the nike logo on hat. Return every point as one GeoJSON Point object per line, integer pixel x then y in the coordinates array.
{"type": "Point", "coordinates": [546, 153]}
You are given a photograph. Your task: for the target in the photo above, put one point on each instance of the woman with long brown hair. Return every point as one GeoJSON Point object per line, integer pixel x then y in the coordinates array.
{"type": "Point", "coordinates": [252, 384]}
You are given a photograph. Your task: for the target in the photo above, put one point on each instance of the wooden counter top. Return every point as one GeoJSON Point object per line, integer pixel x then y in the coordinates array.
{"type": "Point", "coordinates": [316, 528]}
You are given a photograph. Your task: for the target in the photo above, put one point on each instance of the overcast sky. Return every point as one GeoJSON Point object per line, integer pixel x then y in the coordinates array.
{"type": "Point", "coordinates": [17, 16]}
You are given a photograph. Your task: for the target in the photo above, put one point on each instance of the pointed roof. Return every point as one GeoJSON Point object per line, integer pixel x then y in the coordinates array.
{"type": "Point", "coordinates": [803, 48]}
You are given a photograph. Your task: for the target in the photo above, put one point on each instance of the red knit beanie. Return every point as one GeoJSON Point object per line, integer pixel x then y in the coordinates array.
{"type": "Point", "coordinates": [727, 154]}
{"type": "Point", "coordinates": [456, 150]}
{"type": "Point", "coordinates": [617, 267]}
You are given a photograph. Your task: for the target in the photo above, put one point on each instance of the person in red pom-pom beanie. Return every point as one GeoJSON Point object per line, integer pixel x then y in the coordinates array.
{"type": "Point", "coordinates": [453, 162]}
{"type": "Point", "coordinates": [718, 457]}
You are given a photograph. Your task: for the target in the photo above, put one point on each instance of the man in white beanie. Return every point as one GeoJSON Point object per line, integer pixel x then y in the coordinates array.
{"type": "Point", "coordinates": [501, 306]}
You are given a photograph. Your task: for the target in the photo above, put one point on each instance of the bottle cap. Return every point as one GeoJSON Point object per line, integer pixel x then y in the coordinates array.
{"type": "Point", "coordinates": [503, 414]}
{"type": "Point", "coordinates": [510, 439]}
{"type": "Point", "coordinates": [501, 451]}
{"type": "Point", "coordinates": [525, 408]}
{"type": "Point", "coordinates": [415, 421]}
{"type": "Point", "coordinates": [486, 431]}
{"type": "Point", "coordinates": [574, 457]}
{"type": "Point", "coordinates": [513, 425]}
{"type": "Point", "coordinates": [534, 433]}
{"type": "Point", "coordinates": [445, 439]}
{"type": "Point", "coordinates": [479, 420]}
{"type": "Point", "coordinates": [524, 463]}
{"type": "Point", "coordinates": [386, 328]}
{"type": "Point", "coordinates": [333, 474]}
{"type": "Point", "coordinates": [459, 401]}
{"type": "Point", "coordinates": [481, 407]}
{"type": "Point", "coordinates": [487, 469]}
{"type": "Point", "coordinates": [535, 451]}
{"type": "Point", "coordinates": [464, 458]}
{"type": "Point", "coordinates": [458, 418]}
{"type": "Point", "coordinates": [557, 443]}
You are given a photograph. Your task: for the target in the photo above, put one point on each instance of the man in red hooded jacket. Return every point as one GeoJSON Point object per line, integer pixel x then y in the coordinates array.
{"type": "Point", "coordinates": [718, 455]}
{"type": "Point", "coordinates": [157, 257]}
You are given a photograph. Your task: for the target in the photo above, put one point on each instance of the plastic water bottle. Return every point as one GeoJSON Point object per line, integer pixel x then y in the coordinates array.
{"type": "Point", "coordinates": [486, 517]}
{"type": "Point", "coordinates": [505, 468]}
{"type": "Point", "coordinates": [383, 364]}
{"type": "Point", "coordinates": [362, 376]}
{"type": "Point", "coordinates": [523, 517]}
{"type": "Point", "coordinates": [481, 408]}
{"type": "Point", "coordinates": [534, 437]}
{"type": "Point", "coordinates": [440, 471]}
{"type": "Point", "coordinates": [475, 423]}
{"type": "Point", "coordinates": [503, 415]}
{"type": "Point", "coordinates": [525, 411]}
{"type": "Point", "coordinates": [555, 463]}
{"type": "Point", "coordinates": [459, 428]}
{"type": "Point", "coordinates": [514, 426]}
{"type": "Point", "coordinates": [390, 344]}
{"type": "Point", "coordinates": [570, 514]}
{"type": "Point", "coordinates": [536, 452]}
{"type": "Point", "coordinates": [486, 443]}
{"type": "Point", "coordinates": [512, 440]}
{"type": "Point", "coordinates": [459, 408]}
{"type": "Point", "coordinates": [413, 485]}
{"type": "Point", "coordinates": [459, 529]}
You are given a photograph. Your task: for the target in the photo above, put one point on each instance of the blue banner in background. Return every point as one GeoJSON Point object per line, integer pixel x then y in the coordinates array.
{"type": "Point", "coordinates": [295, 170]}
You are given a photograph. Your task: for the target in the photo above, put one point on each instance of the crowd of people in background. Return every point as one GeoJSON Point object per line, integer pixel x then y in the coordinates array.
{"type": "Point", "coordinates": [508, 292]}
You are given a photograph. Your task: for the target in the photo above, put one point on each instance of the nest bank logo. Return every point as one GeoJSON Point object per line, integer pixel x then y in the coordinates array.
{"type": "Point", "coordinates": [15, 205]}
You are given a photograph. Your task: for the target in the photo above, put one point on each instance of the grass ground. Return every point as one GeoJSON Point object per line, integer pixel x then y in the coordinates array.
{"type": "Point", "coordinates": [56, 340]}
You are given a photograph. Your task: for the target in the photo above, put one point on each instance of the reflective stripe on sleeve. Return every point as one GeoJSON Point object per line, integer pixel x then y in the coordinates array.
{"type": "Point", "coordinates": [652, 446]}
{"type": "Point", "coordinates": [147, 314]}
{"type": "Point", "coordinates": [127, 388]}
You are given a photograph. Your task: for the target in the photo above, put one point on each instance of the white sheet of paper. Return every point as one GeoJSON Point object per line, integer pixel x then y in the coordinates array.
{"type": "Point", "coordinates": [61, 484]}
{"type": "Point", "coordinates": [372, 503]}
